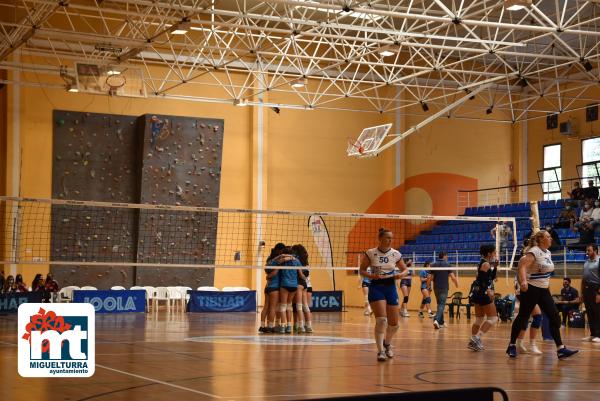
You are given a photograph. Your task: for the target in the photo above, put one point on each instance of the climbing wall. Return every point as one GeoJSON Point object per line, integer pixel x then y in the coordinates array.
{"type": "Point", "coordinates": [181, 166]}
{"type": "Point", "coordinates": [95, 158]}
{"type": "Point", "coordinates": [151, 159]}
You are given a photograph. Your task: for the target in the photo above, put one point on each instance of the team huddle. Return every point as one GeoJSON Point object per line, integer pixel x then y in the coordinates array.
{"type": "Point", "coordinates": [287, 281]}
{"type": "Point", "coordinates": [382, 266]}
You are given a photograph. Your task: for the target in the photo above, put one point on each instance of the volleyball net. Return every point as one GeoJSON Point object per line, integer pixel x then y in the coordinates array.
{"type": "Point", "coordinates": [87, 233]}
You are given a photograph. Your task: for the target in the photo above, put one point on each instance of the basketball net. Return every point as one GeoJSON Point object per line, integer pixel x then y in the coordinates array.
{"type": "Point", "coordinates": [356, 144]}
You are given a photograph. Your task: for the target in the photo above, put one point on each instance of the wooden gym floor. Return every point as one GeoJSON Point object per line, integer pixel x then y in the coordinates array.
{"type": "Point", "coordinates": [147, 357]}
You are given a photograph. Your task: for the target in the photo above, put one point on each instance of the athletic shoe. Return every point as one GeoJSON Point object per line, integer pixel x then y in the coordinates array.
{"type": "Point", "coordinates": [522, 348]}
{"type": "Point", "coordinates": [443, 325]}
{"type": "Point", "coordinates": [261, 329]}
{"type": "Point", "coordinates": [588, 338]}
{"type": "Point", "coordinates": [596, 340]}
{"type": "Point", "coordinates": [436, 325]}
{"type": "Point", "coordinates": [389, 352]}
{"type": "Point", "coordinates": [381, 356]}
{"type": "Point", "coordinates": [281, 330]}
{"type": "Point", "coordinates": [511, 351]}
{"type": "Point", "coordinates": [421, 314]}
{"type": "Point", "coordinates": [534, 350]}
{"type": "Point", "coordinates": [367, 312]}
{"type": "Point", "coordinates": [431, 314]}
{"type": "Point", "coordinates": [288, 329]}
{"type": "Point", "coordinates": [472, 345]}
{"type": "Point", "coordinates": [564, 352]}
{"type": "Point", "coordinates": [301, 329]}
{"type": "Point", "coordinates": [308, 329]}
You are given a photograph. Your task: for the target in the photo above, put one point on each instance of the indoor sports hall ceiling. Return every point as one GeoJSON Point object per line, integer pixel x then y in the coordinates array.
{"type": "Point", "coordinates": [373, 56]}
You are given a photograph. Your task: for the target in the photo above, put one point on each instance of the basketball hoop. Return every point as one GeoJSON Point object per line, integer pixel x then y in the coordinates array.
{"type": "Point", "coordinates": [115, 82]}
{"type": "Point", "coordinates": [368, 142]}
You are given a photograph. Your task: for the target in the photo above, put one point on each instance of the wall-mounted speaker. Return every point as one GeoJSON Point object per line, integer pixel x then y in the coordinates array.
{"type": "Point", "coordinates": [552, 121]}
{"type": "Point", "coordinates": [591, 112]}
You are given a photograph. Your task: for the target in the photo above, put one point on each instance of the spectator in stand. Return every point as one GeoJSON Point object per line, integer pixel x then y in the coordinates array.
{"type": "Point", "coordinates": [595, 222]}
{"type": "Point", "coordinates": [586, 237]}
{"type": "Point", "coordinates": [555, 238]}
{"type": "Point", "coordinates": [585, 217]}
{"type": "Point", "coordinates": [1, 280]}
{"type": "Point", "coordinates": [591, 192]}
{"type": "Point", "coordinates": [577, 194]}
{"type": "Point", "coordinates": [569, 300]}
{"type": "Point", "coordinates": [20, 285]}
{"type": "Point", "coordinates": [504, 232]}
{"type": "Point", "coordinates": [9, 285]}
{"type": "Point", "coordinates": [567, 217]}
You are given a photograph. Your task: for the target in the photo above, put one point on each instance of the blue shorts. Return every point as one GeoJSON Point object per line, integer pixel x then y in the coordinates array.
{"type": "Point", "coordinates": [383, 292]}
{"type": "Point", "coordinates": [365, 284]}
{"type": "Point", "coordinates": [405, 282]}
{"type": "Point", "coordinates": [424, 286]}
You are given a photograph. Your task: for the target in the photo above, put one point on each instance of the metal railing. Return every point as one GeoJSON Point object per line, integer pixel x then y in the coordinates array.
{"type": "Point", "coordinates": [506, 194]}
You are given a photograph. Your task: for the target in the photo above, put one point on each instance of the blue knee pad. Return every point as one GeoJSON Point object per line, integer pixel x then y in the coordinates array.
{"type": "Point", "coordinates": [427, 301]}
{"type": "Point", "coordinates": [536, 323]}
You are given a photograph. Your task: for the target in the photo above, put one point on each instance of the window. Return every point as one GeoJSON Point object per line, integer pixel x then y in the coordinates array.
{"type": "Point", "coordinates": [590, 155]}
{"type": "Point", "coordinates": [552, 174]}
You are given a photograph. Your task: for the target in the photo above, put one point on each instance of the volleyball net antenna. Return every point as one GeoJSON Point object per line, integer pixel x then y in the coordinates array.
{"type": "Point", "coordinates": [82, 233]}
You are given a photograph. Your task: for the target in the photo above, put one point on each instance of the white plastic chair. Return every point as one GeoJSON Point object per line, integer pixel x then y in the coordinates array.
{"type": "Point", "coordinates": [88, 288]}
{"type": "Point", "coordinates": [161, 294]}
{"type": "Point", "coordinates": [66, 293]}
{"type": "Point", "coordinates": [229, 289]}
{"type": "Point", "coordinates": [242, 289]}
{"type": "Point", "coordinates": [117, 288]}
{"type": "Point", "coordinates": [150, 291]}
{"type": "Point", "coordinates": [177, 294]}
{"type": "Point", "coordinates": [207, 288]}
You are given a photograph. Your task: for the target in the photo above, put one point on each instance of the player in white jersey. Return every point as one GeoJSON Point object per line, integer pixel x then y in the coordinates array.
{"type": "Point", "coordinates": [534, 274]}
{"type": "Point", "coordinates": [386, 267]}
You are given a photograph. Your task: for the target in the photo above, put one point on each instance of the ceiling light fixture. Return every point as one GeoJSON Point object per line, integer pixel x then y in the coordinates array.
{"type": "Point", "coordinates": [386, 53]}
{"type": "Point", "coordinates": [181, 28]}
{"type": "Point", "coordinates": [299, 83]}
{"type": "Point", "coordinates": [516, 5]}
{"type": "Point", "coordinates": [239, 102]}
{"type": "Point", "coordinates": [424, 106]}
{"type": "Point", "coordinates": [489, 110]}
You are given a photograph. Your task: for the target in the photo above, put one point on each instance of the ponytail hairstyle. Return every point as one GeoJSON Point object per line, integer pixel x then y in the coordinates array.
{"type": "Point", "coordinates": [382, 232]}
{"type": "Point", "coordinates": [535, 240]}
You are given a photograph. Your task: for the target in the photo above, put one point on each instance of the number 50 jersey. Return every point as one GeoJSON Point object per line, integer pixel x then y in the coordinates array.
{"type": "Point", "coordinates": [383, 263]}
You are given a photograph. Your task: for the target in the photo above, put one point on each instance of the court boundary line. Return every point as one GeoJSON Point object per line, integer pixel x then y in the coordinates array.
{"type": "Point", "coordinates": [164, 383]}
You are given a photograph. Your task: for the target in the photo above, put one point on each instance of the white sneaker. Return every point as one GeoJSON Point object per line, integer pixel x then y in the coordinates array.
{"type": "Point", "coordinates": [588, 338]}
{"type": "Point", "coordinates": [367, 312]}
{"type": "Point", "coordinates": [404, 313]}
{"type": "Point", "coordinates": [389, 352]}
{"type": "Point", "coordinates": [522, 348]}
{"type": "Point", "coordinates": [436, 325]}
{"type": "Point", "coordinates": [596, 340]}
{"type": "Point", "coordinates": [534, 350]}
{"type": "Point", "coordinates": [381, 356]}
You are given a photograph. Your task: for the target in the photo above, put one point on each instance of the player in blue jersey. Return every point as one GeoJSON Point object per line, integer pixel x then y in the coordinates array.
{"type": "Point", "coordinates": [269, 311]}
{"type": "Point", "coordinates": [288, 285]}
{"type": "Point", "coordinates": [364, 283]}
{"type": "Point", "coordinates": [405, 285]}
{"type": "Point", "coordinates": [386, 266]}
{"type": "Point", "coordinates": [425, 279]}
